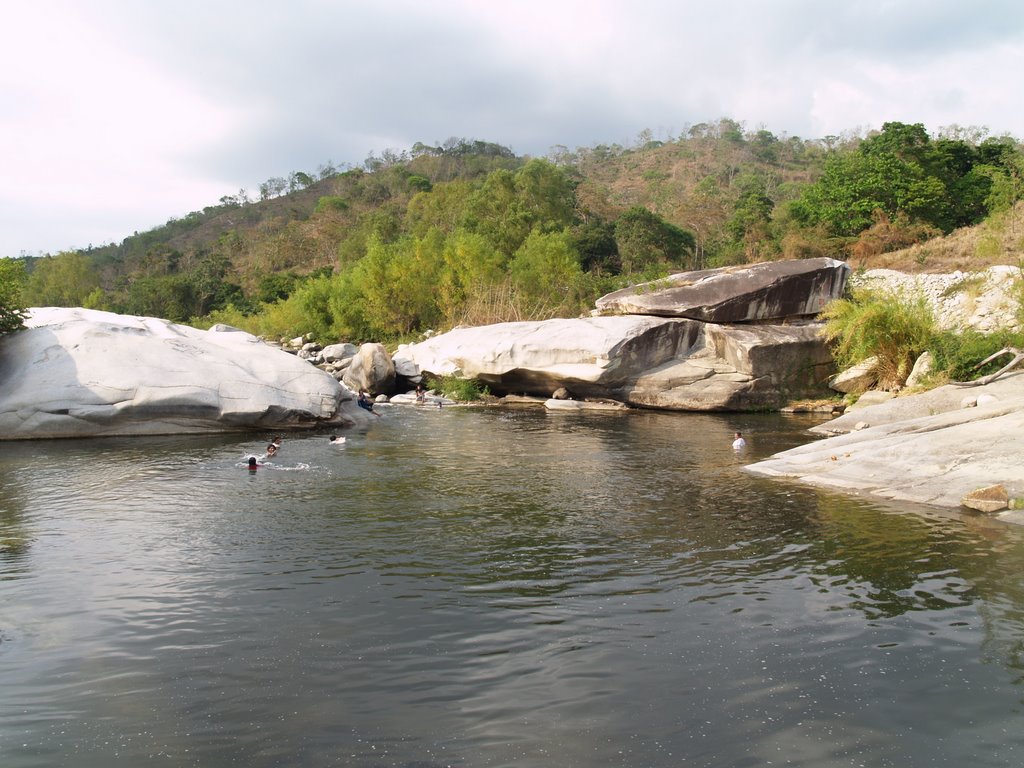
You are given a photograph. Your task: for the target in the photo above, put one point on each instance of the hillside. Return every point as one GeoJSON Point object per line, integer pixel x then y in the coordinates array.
{"type": "Point", "coordinates": [997, 241]}
{"type": "Point", "coordinates": [468, 232]}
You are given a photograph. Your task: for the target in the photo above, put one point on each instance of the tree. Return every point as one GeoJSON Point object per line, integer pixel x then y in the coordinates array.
{"type": "Point", "coordinates": [645, 241]}
{"type": "Point", "coordinates": [12, 310]}
{"type": "Point", "coordinates": [545, 272]}
{"type": "Point", "coordinates": [510, 205]}
{"type": "Point", "coordinates": [64, 280]}
{"type": "Point", "coordinates": [167, 296]}
{"type": "Point", "coordinates": [471, 265]}
{"type": "Point", "coordinates": [855, 185]}
{"type": "Point", "coordinates": [398, 284]}
{"type": "Point", "coordinates": [905, 176]}
{"type": "Point", "coordinates": [704, 211]}
{"type": "Point", "coordinates": [595, 243]}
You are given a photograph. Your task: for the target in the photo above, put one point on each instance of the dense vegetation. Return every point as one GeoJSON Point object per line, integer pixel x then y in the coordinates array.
{"type": "Point", "coordinates": [896, 328]}
{"type": "Point", "coordinates": [12, 312]}
{"type": "Point", "coordinates": [469, 233]}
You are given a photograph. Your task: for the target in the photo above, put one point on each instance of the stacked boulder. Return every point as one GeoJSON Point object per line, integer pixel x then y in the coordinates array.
{"type": "Point", "coordinates": [735, 338]}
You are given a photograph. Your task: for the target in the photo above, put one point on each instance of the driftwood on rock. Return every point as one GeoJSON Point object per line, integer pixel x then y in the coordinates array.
{"type": "Point", "coordinates": [1017, 357]}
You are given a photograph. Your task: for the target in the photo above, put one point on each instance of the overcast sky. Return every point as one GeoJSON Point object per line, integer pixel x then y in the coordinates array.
{"type": "Point", "coordinates": [116, 115]}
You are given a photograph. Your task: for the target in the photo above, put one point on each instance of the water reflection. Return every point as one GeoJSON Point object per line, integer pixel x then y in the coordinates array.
{"type": "Point", "coordinates": [493, 588]}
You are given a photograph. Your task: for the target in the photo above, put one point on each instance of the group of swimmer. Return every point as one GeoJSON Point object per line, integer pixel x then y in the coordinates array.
{"type": "Point", "coordinates": [274, 445]}
{"type": "Point", "coordinates": [272, 448]}
{"type": "Point", "coordinates": [738, 443]}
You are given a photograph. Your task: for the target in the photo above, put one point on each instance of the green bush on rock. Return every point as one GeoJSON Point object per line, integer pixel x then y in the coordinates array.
{"type": "Point", "coordinates": [460, 390]}
{"type": "Point", "coordinates": [893, 328]}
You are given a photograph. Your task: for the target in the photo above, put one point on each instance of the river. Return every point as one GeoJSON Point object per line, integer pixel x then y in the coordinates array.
{"type": "Point", "coordinates": [484, 587]}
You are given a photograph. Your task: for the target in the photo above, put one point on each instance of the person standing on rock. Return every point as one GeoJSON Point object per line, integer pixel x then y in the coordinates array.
{"type": "Point", "coordinates": [365, 403]}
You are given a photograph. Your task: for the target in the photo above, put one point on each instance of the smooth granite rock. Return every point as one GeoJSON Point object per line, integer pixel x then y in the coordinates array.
{"type": "Point", "coordinates": [774, 290]}
{"type": "Point", "coordinates": [588, 356]}
{"type": "Point", "coordinates": [81, 373]}
{"type": "Point", "coordinates": [922, 448]}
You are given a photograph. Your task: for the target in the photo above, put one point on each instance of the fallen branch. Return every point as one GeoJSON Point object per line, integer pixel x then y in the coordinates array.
{"type": "Point", "coordinates": [1018, 356]}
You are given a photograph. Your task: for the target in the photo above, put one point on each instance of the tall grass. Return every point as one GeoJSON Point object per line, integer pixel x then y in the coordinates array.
{"type": "Point", "coordinates": [460, 390]}
{"type": "Point", "coordinates": [957, 354]}
{"type": "Point", "coordinates": [893, 328]}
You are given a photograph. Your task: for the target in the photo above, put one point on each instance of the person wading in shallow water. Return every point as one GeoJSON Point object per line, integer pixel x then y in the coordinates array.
{"type": "Point", "coordinates": [365, 403]}
{"type": "Point", "coordinates": [738, 443]}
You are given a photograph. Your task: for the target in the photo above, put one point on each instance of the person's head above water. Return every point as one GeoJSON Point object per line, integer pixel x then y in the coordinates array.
{"type": "Point", "coordinates": [252, 462]}
{"type": "Point", "coordinates": [271, 449]}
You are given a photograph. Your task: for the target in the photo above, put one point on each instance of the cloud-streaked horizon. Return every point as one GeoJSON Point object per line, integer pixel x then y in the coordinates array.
{"type": "Point", "coordinates": [116, 116]}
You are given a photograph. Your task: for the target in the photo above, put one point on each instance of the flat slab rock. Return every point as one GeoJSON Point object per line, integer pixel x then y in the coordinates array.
{"type": "Point", "coordinates": [752, 293]}
{"type": "Point", "coordinates": [927, 448]}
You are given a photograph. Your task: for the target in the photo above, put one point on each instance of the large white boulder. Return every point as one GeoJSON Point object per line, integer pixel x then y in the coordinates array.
{"type": "Point", "coordinates": [372, 369]}
{"type": "Point", "coordinates": [738, 367]}
{"type": "Point", "coordinates": [80, 373]}
{"type": "Point", "coordinates": [645, 361]}
{"type": "Point", "coordinates": [588, 356]}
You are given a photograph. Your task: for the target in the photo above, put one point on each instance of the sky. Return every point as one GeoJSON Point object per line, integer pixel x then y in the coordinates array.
{"type": "Point", "coordinates": [117, 115]}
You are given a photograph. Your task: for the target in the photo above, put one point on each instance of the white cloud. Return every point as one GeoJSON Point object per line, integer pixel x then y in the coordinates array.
{"type": "Point", "coordinates": [116, 115]}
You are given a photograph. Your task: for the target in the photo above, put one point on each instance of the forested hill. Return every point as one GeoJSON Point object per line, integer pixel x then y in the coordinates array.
{"type": "Point", "coordinates": [468, 232]}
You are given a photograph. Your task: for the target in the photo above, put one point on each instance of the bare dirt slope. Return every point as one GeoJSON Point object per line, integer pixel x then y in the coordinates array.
{"type": "Point", "coordinates": [999, 241]}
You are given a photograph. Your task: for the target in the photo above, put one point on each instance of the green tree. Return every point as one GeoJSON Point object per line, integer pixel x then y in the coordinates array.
{"type": "Point", "coordinates": [398, 284]}
{"type": "Point", "coordinates": [442, 207]}
{"type": "Point", "coordinates": [276, 286]}
{"type": "Point", "coordinates": [855, 185]}
{"type": "Point", "coordinates": [594, 241]}
{"type": "Point", "coordinates": [471, 266]}
{"type": "Point", "coordinates": [901, 173]}
{"type": "Point", "coordinates": [171, 297]}
{"type": "Point", "coordinates": [12, 309]}
{"type": "Point", "coordinates": [508, 206]}
{"type": "Point", "coordinates": [546, 274]}
{"type": "Point", "coordinates": [646, 241]}
{"type": "Point", "coordinates": [64, 280]}
{"type": "Point", "coordinates": [753, 210]}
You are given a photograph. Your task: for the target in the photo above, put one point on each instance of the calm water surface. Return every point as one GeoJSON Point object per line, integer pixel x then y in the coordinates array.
{"type": "Point", "coordinates": [472, 588]}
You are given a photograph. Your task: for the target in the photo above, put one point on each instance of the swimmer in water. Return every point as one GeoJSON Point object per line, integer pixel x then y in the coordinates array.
{"type": "Point", "coordinates": [337, 440]}
{"type": "Point", "coordinates": [253, 465]}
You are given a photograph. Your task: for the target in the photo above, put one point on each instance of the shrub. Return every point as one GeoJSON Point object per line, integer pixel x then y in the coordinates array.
{"type": "Point", "coordinates": [12, 311]}
{"type": "Point", "coordinates": [460, 390]}
{"type": "Point", "coordinates": [891, 327]}
{"type": "Point", "coordinates": [957, 354]}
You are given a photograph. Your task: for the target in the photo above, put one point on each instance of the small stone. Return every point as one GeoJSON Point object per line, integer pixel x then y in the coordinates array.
{"type": "Point", "coordinates": [861, 425]}
{"type": "Point", "coordinates": [990, 499]}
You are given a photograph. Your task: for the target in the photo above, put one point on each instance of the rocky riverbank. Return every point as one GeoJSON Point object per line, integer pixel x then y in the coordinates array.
{"type": "Point", "coordinates": [954, 446]}
{"type": "Point", "coordinates": [937, 448]}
